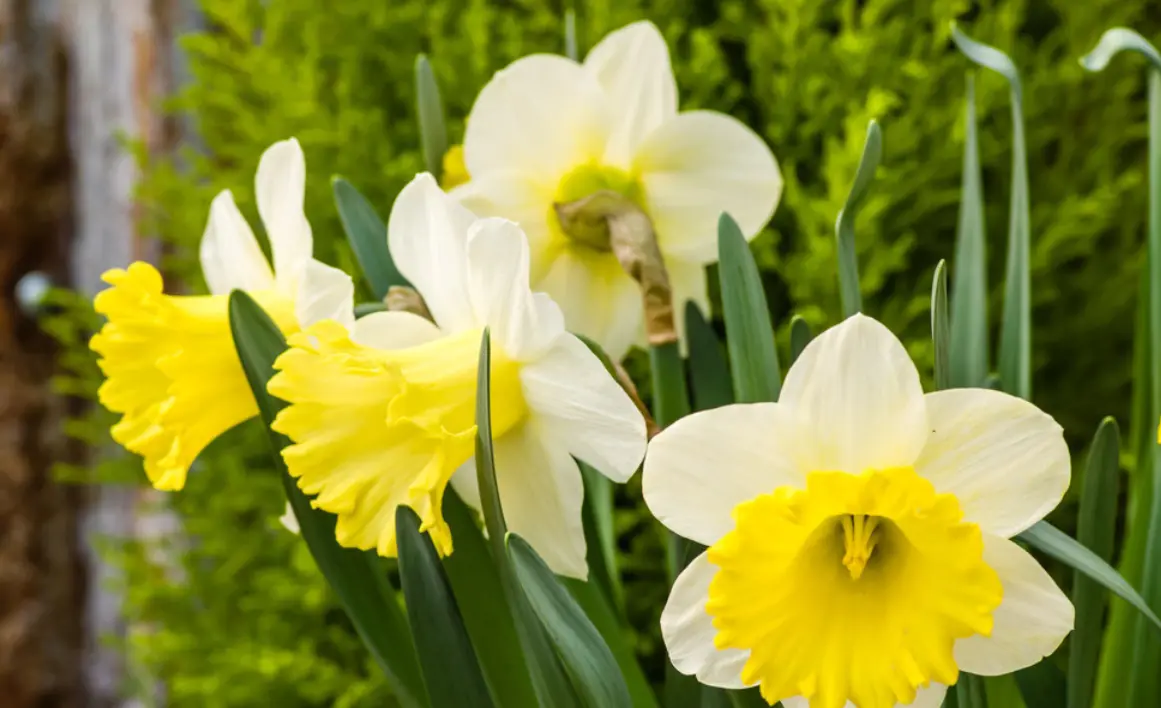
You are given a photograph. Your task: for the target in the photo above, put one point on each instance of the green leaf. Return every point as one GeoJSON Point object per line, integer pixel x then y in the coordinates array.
{"type": "Point", "coordinates": [1115, 41]}
{"type": "Point", "coordinates": [355, 576]}
{"type": "Point", "coordinates": [969, 295]}
{"type": "Point", "coordinates": [970, 692]}
{"type": "Point", "coordinates": [749, 334]}
{"type": "Point", "coordinates": [570, 48]}
{"type": "Point", "coordinates": [616, 636]}
{"type": "Point", "coordinates": [369, 308]}
{"type": "Point", "coordinates": [709, 374]}
{"type": "Point", "coordinates": [487, 616]}
{"type": "Point", "coordinates": [549, 679]}
{"type": "Point", "coordinates": [800, 336]}
{"type": "Point", "coordinates": [429, 109]}
{"type": "Point", "coordinates": [1054, 542]}
{"type": "Point", "coordinates": [1015, 359]}
{"type": "Point", "coordinates": [1096, 528]}
{"type": "Point", "coordinates": [600, 536]}
{"type": "Point", "coordinates": [1042, 685]}
{"type": "Point", "coordinates": [670, 402]}
{"type": "Point", "coordinates": [848, 262]}
{"type": "Point", "coordinates": [1146, 686]}
{"type": "Point", "coordinates": [587, 660]}
{"type": "Point", "coordinates": [939, 327]}
{"type": "Point", "coordinates": [450, 670]}
{"type": "Point", "coordinates": [368, 238]}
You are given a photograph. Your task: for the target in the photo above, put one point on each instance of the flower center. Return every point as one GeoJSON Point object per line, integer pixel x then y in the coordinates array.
{"type": "Point", "coordinates": [375, 429]}
{"type": "Point", "coordinates": [455, 170]}
{"type": "Point", "coordinates": [584, 182]}
{"type": "Point", "coordinates": [855, 588]}
{"type": "Point", "coordinates": [171, 369]}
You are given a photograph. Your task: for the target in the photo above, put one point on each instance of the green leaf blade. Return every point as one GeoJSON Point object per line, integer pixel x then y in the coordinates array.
{"type": "Point", "coordinates": [940, 334]}
{"type": "Point", "coordinates": [709, 374]}
{"type": "Point", "coordinates": [367, 235]}
{"type": "Point", "coordinates": [354, 575]}
{"type": "Point", "coordinates": [450, 669]}
{"type": "Point", "coordinates": [848, 262]}
{"type": "Point", "coordinates": [757, 375]}
{"type": "Point", "coordinates": [430, 112]}
{"type": "Point", "coordinates": [800, 336]}
{"type": "Point", "coordinates": [1115, 41]}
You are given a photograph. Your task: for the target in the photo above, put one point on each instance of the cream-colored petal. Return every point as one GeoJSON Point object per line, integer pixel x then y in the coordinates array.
{"type": "Point", "coordinates": [289, 521]}
{"type": "Point", "coordinates": [427, 235]}
{"type": "Point", "coordinates": [324, 293]}
{"type": "Point", "coordinates": [393, 330]}
{"type": "Point", "coordinates": [230, 255]}
{"type": "Point", "coordinates": [542, 115]}
{"type": "Point", "coordinates": [523, 326]}
{"type": "Point", "coordinates": [698, 165]}
{"type": "Point", "coordinates": [541, 492]}
{"type": "Point", "coordinates": [930, 697]}
{"type": "Point", "coordinates": [1032, 620]}
{"type": "Point", "coordinates": [632, 64]}
{"type": "Point", "coordinates": [689, 284]}
{"type": "Point", "coordinates": [1002, 457]}
{"type": "Point", "coordinates": [688, 631]}
{"type": "Point", "coordinates": [701, 467]}
{"type": "Point", "coordinates": [280, 187]}
{"type": "Point", "coordinates": [858, 392]}
{"type": "Point", "coordinates": [584, 409]}
{"type": "Point", "coordinates": [597, 298]}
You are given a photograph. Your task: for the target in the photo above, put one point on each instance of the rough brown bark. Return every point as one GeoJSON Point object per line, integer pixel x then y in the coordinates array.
{"type": "Point", "coordinates": [41, 574]}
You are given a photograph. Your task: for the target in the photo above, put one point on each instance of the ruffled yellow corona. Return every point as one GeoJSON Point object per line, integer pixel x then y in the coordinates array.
{"type": "Point", "coordinates": [398, 423]}
{"type": "Point", "coordinates": [171, 370]}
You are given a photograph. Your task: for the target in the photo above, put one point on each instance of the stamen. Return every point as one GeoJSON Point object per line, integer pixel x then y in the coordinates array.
{"type": "Point", "coordinates": [860, 536]}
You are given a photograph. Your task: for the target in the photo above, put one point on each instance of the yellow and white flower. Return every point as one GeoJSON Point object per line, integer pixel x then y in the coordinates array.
{"type": "Point", "coordinates": [382, 413]}
{"type": "Point", "coordinates": [547, 130]}
{"type": "Point", "coordinates": [858, 532]}
{"type": "Point", "coordinates": [169, 360]}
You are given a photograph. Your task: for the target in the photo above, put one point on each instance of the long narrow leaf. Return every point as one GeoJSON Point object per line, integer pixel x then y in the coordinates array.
{"type": "Point", "coordinates": [1042, 685]}
{"type": "Point", "coordinates": [368, 237]}
{"type": "Point", "coordinates": [614, 633]}
{"type": "Point", "coordinates": [970, 692]}
{"type": "Point", "coordinates": [450, 669]}
{"type": "Point", "coordinates": [600, 536]}
{"type": "Point", "coordinates": [1016, 328]}
{"type": "Point", "coordinates": [848, 262]}
{"type": "Point", "coordinates": [800, 336]}
{"type": "Point", "coordinates": [749, 334]}
{"type": "Point", "coordinates": [570, 48]}
{"type": "Point", "coordinates": [588, 661]}
{"type": "Point", "coordinates": [939, 327]}
{"type": "Point", "coordinates": [1096, 528]}
{"type": "Point", "coordinates": [476, 584]}
{"type": "Point", "coordinates": [969, 298]}
{"type": "Point", "coordinates": [549, 680]}
{"type": "Point", "coordinates": [709, 374]}
{"type": "Point", "coordinates": [429, 108]}
{"type": "Point", "coordinates": [355, 575]}
{"type": "Point", "coordinates": [1064, 548]}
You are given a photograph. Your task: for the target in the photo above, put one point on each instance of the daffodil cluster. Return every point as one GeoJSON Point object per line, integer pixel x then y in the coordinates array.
{"type": "Point", "coordinates": [858, 530]}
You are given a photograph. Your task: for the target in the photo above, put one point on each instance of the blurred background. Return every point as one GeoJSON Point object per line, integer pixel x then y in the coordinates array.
{"type": "Point", "coordinates": [120, 119]}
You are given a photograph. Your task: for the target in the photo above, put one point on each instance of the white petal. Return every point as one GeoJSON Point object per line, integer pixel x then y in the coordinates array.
{"type": "Point", "coordinates": [698, 165]}
{"type": "Point", "coordinates": [930, 697]}
{"type": "Point", "coordinates": [541, 492]}
{"type": "Point", "coordinates": [583, 408]}
{"type": "Point", "coordinates": [520, 198]}
{"type": "Point", "coordinates": [523, 326]}
{"type": "Point", "coordinates": [280, 187]}
{"type": "Point", "coordinates": [859, 393]}
{"type": "Point", "coordinates": [427, 234]}
{"type": "Point", "coordinates": [597, 298]}
{"type": "Point", "coordinates": [325, 293]}
{"type": "Point", "coordinates": [542, 114]}
{"type": "Point", "coordinates": [701, 467]}
{"type": "Point", "coordinates": [393, 330]}
{"type": "Point", "coordinates": [688, 631]}
{"type": "Point", "coordinates": [1002, 457]}
{"type": "Point", "coordinates": [689, 284]}
{"type": "Point", "coordinates": [1031, 621]}
{"type": "Point", "coordinates": [289, 521]}
{"type": "Point", "coordinates": [230, 255]}
{"type": "Point", "coordinates": [632, 64]}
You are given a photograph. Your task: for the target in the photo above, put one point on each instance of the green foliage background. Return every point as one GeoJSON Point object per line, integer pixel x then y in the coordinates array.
{"type": "Point", "coordinates": [238, 616]}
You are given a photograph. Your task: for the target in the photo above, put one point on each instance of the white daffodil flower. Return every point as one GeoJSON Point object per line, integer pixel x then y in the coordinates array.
{"type": "Point", "coordinates": [169, 360]}
{"type": "Point", "coordinates": [382, 412]}
{"type": "Point", "coordinates": [858, 532]}
{"type": "Point", "coordinates": [547, 131]}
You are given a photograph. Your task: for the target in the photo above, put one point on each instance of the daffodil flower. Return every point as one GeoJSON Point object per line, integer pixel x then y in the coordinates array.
{"type": "Point", "coordinates": [547, 131]}
{"type": "Point", "coordinates": [169, 360]}
{"type": "Point", "coordinates": [382, 413]}
{"type": "Point", "coordinates": [858, 532]}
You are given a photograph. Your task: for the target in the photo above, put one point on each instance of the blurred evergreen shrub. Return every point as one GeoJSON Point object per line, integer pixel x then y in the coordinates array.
{"type": "Point", "coordinates": [242, 618]}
